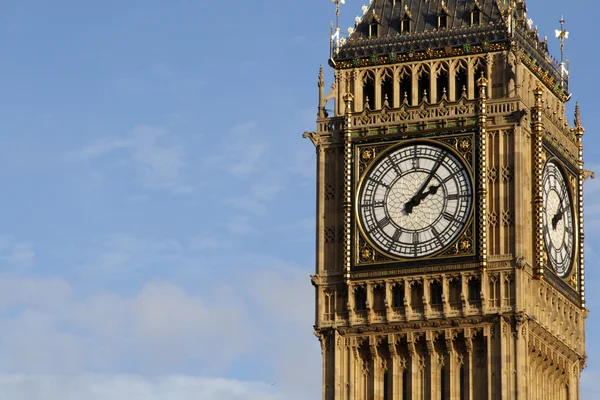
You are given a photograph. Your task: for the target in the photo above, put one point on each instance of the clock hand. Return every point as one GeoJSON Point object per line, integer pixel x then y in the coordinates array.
{"type": "Point", "coordinates": [416, 199]}
{"type": "Point", "coordinates": [558, 216]}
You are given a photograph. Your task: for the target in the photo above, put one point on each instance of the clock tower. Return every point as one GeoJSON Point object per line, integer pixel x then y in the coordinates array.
{"type": "Point", "coordinates": [449, 260]}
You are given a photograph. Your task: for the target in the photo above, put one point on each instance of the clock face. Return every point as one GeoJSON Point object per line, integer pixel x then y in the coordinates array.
{"type": "Point", "coordinates": [415, 200]}
{"type": "Point", "coordinates": [558, 219]}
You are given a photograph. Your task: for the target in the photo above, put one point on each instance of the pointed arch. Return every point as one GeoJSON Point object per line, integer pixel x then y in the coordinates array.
{"type": "Point", "coordinates": [387, 87]}
{"type": "Point", "coordinates": [368, 84]}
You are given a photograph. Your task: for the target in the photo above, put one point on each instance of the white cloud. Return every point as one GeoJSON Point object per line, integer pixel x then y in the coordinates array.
{"type": "Point", "coordinates": [14, 254]}
{"type": "Point", "coordinates": [255, 198]}
{"type": "Point", "coordinates": [241, 225]}
{"type": "Point", "coordinates": [159, 163]}
{"type": "Point", "coordinates": [46, 327]}
{"type": "Point", "coordinates": [246, 151]}
{"type": "Point", "coordinates": [156, 326]}
{"type": "Point", "coordinates": [128, 387]}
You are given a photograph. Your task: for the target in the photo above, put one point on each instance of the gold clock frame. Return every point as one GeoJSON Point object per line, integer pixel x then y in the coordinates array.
{"type": "Point", "coordinates": [571, 182]}
{"type": "Point", "coordinates": [366, 156]}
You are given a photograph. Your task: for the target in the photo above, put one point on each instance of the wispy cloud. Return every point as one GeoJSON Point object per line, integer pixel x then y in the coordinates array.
{"type": "Point", "coordinates": [15, 254]}
{"type": "Point", "coordinates": [246, 151]}
{"type": "Point", "coordinates": [159, 162]}
{"type": "Point", "coordinates": [257, 195]}
{"type": "Point", "coordinates": [126, 387]}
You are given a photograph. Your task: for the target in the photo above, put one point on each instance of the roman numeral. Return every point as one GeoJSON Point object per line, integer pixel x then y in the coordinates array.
{"type": "Point", "coordinates": [379, 182]}
{"type": "Point", "coordinates": [397, 169]}
{"type": "Point", "coordinates": [436, 235]}
{"type": "Point", "coordinates": [449, 217]}
{"type": "Point", "coordinates": [397, 234]}
{"type": "Point", "coordinates": [382, 223]}
{"type": "Point", "coordinates": [446, 179]}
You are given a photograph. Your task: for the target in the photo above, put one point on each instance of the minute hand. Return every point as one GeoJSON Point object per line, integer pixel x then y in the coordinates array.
{"type": "Point", "coordinates": [416, 199]}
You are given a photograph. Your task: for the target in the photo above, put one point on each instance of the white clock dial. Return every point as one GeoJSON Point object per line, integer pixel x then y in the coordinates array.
{"type": "Point", "coordinates": [415, 200]}
{"type": "Point", "coordinates": [558, 219]}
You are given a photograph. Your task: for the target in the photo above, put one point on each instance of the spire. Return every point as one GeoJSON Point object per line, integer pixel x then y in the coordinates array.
{"type": "Point", "coordinates": [321, 112]}
{"type": "Point", "coordinates": [579, 131]}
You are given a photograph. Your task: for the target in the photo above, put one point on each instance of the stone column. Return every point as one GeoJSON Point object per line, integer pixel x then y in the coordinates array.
{"type": "Point", "coordinates": [433, 68]}
{"type": "Point", "coordinates": [413, 368]}
{"type": "Point", "coordinates": [468, 365]}
{"type": "Point", "coordinates": [388, 301]}
{"type": "Point", "coordinates": [415, 86]}
{"type": "Point", "coordinates": [452, 80]}
{"type": "Point", "coordinates": [453, 390]}
{"type": "Point", "coordinates": [358, 91]}
{"type": "Point", "coordinates": [397, 95]}
{"type": "Point", "coordinates": [377, 100]}
{"type": "Point", "coordinates": [470, 79]}
{"type": "Point", "coordinates": [392, 368]}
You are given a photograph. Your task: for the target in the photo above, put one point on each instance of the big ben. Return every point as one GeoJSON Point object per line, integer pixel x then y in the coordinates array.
{"type": "Point", "coordinates": [449, 260]}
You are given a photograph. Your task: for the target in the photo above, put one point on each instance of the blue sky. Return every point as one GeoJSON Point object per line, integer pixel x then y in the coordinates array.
{"type": "Point", "coordinates": [157, 215]}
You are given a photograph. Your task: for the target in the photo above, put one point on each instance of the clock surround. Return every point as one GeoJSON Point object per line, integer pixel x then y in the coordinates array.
{"type": "Point", "coordinates": [461, 245]}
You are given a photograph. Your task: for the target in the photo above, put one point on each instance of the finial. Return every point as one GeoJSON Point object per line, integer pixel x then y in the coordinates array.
{"type": "Point", "coordinates": [385, 101]}
{"type": "Point", "coordinates": [562, 35]}
{"type": "Point", "coordinates": [335, 37]}
{"type": "Point", "coordinates": [321, 76]}
{"type": "Point", "coordinates": [578, 130]}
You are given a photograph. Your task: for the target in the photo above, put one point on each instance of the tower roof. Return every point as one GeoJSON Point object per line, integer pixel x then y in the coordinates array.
{"type": "Point", "coordinates": [395, 30]}
{"type": "Point", "coordinates": [424, 14]}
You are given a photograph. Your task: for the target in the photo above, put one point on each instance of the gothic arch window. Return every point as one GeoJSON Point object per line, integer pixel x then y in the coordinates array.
{"type": "Point", "coordinates": [443, 384]}
{"type": "Point", "coordinates": [329, 306]}
{"type": "Point", "coordinates": [460, 79]}
{"type": "Point", "coordinates": [369, 89]}
{"type": "Point", "coordinates": [509, 291]}
{"type": "Point", "coordinates": [461, 380]}
{"type": "Point", "coordinates": [474, 290]}
{"type": "Point", "coordinates": [405, 21]}
{"type": "Point", "coordinates": [386, 384]}
{"type": "Point", "coordinates": [479, 70]}
{"type": "Point", "coordinates": [423, 83]}
{"type": "Point", "coordinates": [398, 296]}
{"type": "Point", "coordinates": [476, 14]}
{"type": "Point", "coordinates": [404, 385]}
{"type": "Point", "coordinates": [443, 17]}
{"type": "Point", "coordinates": [405, 77]}
{"type": "Point", "coordinates": [387, 87]}
{"type": "Point", "coordinates": [442, 81]}
{"type": "Point", "coordinates": [360, 299]}
{"type": "Point", "coordinates": [374, 29]}
{"type": "Point", "coordinates": [378, 298]}
{"type": "Point", "coordinates": [494, 292]}
{"type": "Point", "coordinates": [455, 291]}
{"type": "Point", "coordinates": [416, 296]}
{"type": "Point", "coordinates": [435, 293]}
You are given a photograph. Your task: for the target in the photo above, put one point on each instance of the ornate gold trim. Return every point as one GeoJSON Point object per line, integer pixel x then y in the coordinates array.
{"type": "Point", "coordinates": [537, 131]}
{"type": "Point", "coordinates": [367, 155]}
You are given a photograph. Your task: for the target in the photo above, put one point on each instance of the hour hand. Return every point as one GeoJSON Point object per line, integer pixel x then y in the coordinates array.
{"type": "Point", "coordinates": [416, 200]}
{"type": "Point", "coordinates": [557, 217]}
